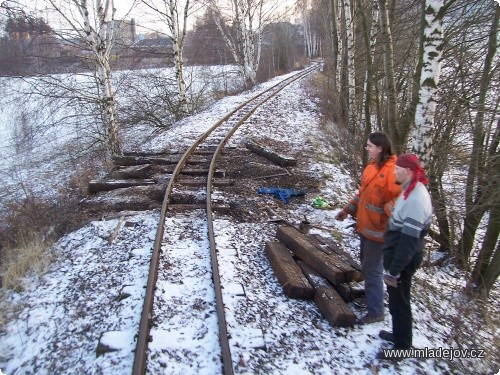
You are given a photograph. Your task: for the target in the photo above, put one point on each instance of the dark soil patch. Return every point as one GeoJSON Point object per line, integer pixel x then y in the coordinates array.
{"type": "Point", "coordinates": [250, 172]}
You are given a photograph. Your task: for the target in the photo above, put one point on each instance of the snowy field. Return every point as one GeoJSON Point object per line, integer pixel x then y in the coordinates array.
{"type": "Point", "coordinates": [37, 134]}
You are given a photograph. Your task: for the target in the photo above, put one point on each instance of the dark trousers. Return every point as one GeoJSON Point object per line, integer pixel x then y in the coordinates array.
{"type": "Point", "coordinates": [400, 305]}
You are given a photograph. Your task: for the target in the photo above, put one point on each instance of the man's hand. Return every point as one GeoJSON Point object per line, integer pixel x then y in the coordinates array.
{"type": "Point", "coordinates": [391, 280]}
{"type": "Point", "coordinates": [341, 215]}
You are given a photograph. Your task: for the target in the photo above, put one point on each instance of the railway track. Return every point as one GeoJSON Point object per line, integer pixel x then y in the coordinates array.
{"type": "Point", "coordinates": [156, 323]}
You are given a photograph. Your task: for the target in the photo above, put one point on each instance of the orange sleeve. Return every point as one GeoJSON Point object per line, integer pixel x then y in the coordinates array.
{"type": "Point", "coordinates": [393, 191]}
{"type": "Point", "coordinates": [352, 206]}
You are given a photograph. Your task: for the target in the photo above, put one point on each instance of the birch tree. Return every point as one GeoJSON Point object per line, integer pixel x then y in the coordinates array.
{"type": "Point", "coordinates": [349, 64]}
{"type": "Point", "coordinates": [309, 45]}
{"type": "Point", "coordinates": [175, 14]}
{"type": "Point", "coordinates": [450, 115]}
{"type": "Point", "coordinates": [94, 22]}
{"type": "Point", "coordinates": [465, 141]}
{"type": "Point", "coordinates": [370, 30]}
{"type": "Point", "coordinates": [433, 41]}
{"type": "Point", "coordinates": [241, 26]}
{"type": "Point", "coordinates": [391, 90]}
{"type": "Point", "coordinates": [311, 38]}
{"type": "Point", "coordinates": [342, 33]}
{"type": "Point", "coordinates": [334, 35]}
{"type": "Point", "coordinates": [428, 73]}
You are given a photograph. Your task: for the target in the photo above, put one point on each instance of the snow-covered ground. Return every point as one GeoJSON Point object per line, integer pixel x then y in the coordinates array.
{"type": "Point", "coordinates": [93, 290]}
{"type": "Point", "coordinates": [38, 151]}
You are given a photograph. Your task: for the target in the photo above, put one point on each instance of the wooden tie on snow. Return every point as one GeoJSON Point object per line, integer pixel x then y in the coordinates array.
{"type": "Point", "coordinates": [138, 181]}
{"type": "Point", "coordinates": [321, 266]}
{"type": "Point", "coordinates": [96, 186]}
{"type": "Point", "coordinates": [289, 274]}
{"type": "Point", "coordinates": [282, 161]}
{"type": "Point", "coordinates": [330, 266]}
{"type": "Point", "coordinates": [329, 302]}
{"type": "Point", "coordinates": [157, 160]}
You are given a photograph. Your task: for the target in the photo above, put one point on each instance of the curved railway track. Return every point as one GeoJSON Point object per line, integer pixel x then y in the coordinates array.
{"type": "Point", "coordinates": [210, 143]}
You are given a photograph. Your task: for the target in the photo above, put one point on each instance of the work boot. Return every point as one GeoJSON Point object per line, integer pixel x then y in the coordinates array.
{"type": "Point", "coordinates": [386, 335]}
{"type": "Point", "coordinates": [368, 319]}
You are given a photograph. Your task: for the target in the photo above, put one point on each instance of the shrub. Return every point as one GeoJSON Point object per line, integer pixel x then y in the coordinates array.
{"type": "Point", "coordinates": [30, 257]}
{"type": "Point", "coordinates": [31, 226]}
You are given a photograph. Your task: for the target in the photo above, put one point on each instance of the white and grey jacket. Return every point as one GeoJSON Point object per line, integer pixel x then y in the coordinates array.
{"type": "Point", "coordinates": [408, 224]}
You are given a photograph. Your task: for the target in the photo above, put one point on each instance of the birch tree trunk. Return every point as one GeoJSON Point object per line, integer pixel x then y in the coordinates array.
{"type": "Point", "coordinates": [307, 34]}
{"type": "Point", "coordinates": [388, 51]}
{"type": "Point", "coordinates": [248, 19]}
{"type": "Point", "coordinates": [99, 40]}
{"type": "Point", "coordinates": [433, 41]}
{"type": "Point", "coordinates": [343, 66]}
{"type": "Point", "coordinates": [340, 44]}
{"type": "Point", "coordinates": [178, 33]}
{"type": "Point", "coordinates": [370, 37]}
{"type": "Point", "coordinates": [104, 43]}
{"type": "Point", "coordinates": [351, 79]}
{"type": "Point", "coordinates": [427, 73]}
{"type": "Point", "coordinates": [365, 106]}
{"type": "Point", "coordinates": [175, 15]}
{"type": "Point", "coordinates": [312, 35]}
{"type": "Point", "coordinates": [332, 9]}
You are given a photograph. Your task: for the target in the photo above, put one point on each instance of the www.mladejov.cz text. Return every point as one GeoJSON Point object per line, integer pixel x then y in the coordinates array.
{"type": "Point", "coordinates": [442, 353]}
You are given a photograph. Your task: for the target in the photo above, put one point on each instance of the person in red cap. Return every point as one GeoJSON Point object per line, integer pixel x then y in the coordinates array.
{"type": "Point", "coordinates": [403, 247]}
{"type": "Point", "coordinates": [372, 206]}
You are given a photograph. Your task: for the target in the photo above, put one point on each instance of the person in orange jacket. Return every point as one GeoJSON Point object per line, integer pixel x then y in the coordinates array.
{"type": "Point", "coordinates": [372, 206]}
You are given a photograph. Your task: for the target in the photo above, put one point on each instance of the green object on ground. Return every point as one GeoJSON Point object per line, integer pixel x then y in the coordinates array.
{"type": "Point", "coordinates": [320, 202]}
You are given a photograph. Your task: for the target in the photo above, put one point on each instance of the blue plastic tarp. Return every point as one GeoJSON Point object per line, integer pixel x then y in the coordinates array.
{"type": "Point", "coordinates": [282, 193]}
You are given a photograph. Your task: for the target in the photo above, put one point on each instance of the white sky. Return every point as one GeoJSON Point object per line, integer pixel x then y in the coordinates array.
{"type": "Point", "coordinates": [124, 9]}
{"type": "Point", "coordinates": [146, 20]}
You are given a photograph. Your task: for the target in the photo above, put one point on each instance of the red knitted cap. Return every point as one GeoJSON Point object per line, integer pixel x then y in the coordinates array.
{"type": "Point", "coordinates": [408, 161]}
{"type": "Point", "coordinates": [411, 161]}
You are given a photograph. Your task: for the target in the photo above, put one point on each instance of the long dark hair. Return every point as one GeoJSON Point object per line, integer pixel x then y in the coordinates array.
{"type": "Point", "coordinates": [381, 139]}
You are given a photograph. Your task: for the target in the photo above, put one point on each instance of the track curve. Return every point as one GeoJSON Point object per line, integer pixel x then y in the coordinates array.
{"type": "Point", "coordinates": [217, 135]}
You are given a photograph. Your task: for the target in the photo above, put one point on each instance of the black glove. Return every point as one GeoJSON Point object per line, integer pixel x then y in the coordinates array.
{"type": "Point", "coordinates": [391, 280]}
{"type": "Point", "coordinates": [341, 215]}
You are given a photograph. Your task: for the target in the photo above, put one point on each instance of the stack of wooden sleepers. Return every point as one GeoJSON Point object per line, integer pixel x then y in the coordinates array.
{"type": "Point", "coordinates": [314, 267]}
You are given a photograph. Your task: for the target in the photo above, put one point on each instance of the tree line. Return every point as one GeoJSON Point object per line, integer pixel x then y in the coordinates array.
{"type": "Point", "coordinates": [426, 72]}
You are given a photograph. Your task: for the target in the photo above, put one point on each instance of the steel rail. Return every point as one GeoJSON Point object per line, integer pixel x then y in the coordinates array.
{"type": "Point", "coordinates": [143, 336]}
{"type": "Point", "coordinates": [227, 365]}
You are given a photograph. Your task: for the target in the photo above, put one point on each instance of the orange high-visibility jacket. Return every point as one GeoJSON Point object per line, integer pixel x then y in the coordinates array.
{"type": "Point", "coordinates": [374, 202]}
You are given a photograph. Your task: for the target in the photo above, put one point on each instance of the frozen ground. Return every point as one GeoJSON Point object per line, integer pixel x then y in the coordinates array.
{"type": "Point", "coordinates": [93, 290]}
